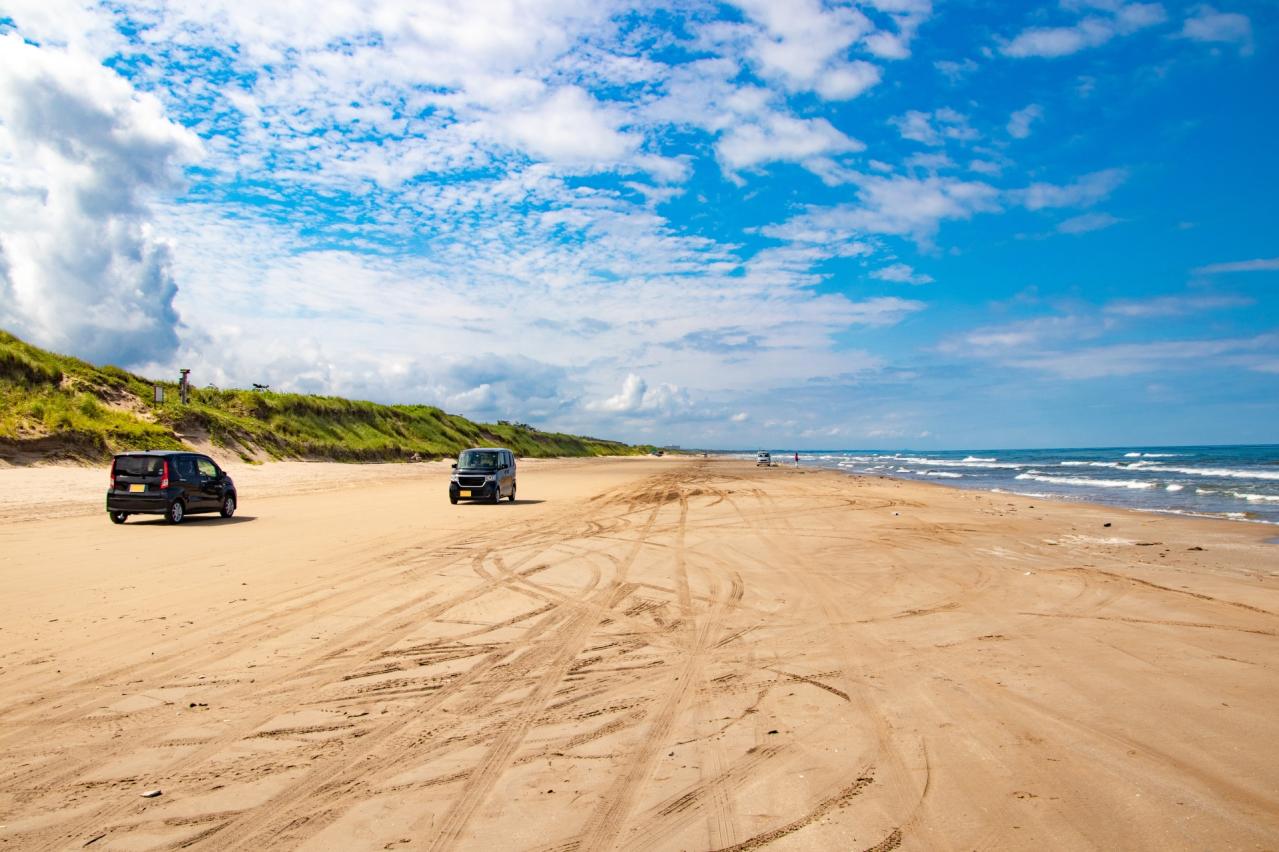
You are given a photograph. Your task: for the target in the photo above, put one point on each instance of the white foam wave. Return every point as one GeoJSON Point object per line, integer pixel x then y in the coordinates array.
{"type": "Point", "coordinates": [1152, 455]}
{"type": "Point", "coordinates": [943, 474]}
{"type": "Point", "coordinates": [979, 459]}
{"type": "Point", "coordinates": [1029, 494]}
{"type": "Point", "coordinates": [1256, 498]}
{"type": "Point", "coordinates": [1174, 487]}
{"type": "Point", "coordinates": [1089, 464]}
{"type": "Point", "coordinates": [1084, 482]}
{"type": "Point", "coordinates": [968, 462]}
{"type": "Point", "coordinates": [1226, 472]}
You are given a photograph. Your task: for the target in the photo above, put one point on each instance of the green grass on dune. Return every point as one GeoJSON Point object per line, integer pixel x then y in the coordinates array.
{"type": "Point", "coordinates": [55, 406]}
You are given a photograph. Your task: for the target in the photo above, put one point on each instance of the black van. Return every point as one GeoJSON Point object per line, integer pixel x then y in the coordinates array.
{"type": "Point", "coordinates": [483, 473]}
{"type": "Point", "coordinates": [170, 483]}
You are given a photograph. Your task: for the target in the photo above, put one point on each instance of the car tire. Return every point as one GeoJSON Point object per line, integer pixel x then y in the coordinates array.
{"type": "Point", "coordinates": [512, 495]}
{"type": "Point", "coordinates": [176, 512]}
{"type": "Point", "coordinates": [118, 517]}
{"type": "Point", "coordinates": [497, 494]}
{"type": "Point", "coordinates": [228, 506]}
{"type": "Point", "coordinates": [453, 499]}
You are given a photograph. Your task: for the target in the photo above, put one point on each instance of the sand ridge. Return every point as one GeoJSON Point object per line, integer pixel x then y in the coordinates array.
{"type": "Point", "coordinates": [641, 654]}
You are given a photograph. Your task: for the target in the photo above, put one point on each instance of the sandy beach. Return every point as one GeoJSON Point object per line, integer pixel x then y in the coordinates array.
{"type": "Point", "coordinates": [671, 653]}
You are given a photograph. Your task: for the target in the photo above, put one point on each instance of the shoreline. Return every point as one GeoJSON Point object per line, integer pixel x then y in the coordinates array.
{"type": "Point", "coordinates": [69, 490]}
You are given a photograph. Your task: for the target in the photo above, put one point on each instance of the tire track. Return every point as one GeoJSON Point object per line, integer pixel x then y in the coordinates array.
{"type": "Point", "coordinates": [583, 622]}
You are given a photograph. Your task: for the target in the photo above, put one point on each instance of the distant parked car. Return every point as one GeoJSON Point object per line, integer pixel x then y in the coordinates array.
{"type": "Point", "coordinates": [483, 473]}
{"type": "Point", "coordinates": [763, 458]}
{"type": "Point", "coordinates": [170, 483]}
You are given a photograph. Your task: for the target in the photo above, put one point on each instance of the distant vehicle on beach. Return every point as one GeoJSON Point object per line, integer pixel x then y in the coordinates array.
{"type": "Point", "coordinates": [763, 458]}
{"type": "Point", "coordinates": [483, 473]}
{"type": "Point", "coordinates": [170, 483]}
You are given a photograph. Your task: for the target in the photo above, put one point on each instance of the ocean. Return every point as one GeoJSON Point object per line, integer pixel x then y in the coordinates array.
{"type": "Point", "coordinates": [1236, 482]}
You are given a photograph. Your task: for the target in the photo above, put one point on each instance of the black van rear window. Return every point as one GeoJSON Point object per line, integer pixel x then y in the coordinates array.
{"type": "Point", "coordinates": [138, 465]}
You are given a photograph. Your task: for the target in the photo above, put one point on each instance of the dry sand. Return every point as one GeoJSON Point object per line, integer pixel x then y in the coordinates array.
{"type": "Point", "coordinates": [665, 654]}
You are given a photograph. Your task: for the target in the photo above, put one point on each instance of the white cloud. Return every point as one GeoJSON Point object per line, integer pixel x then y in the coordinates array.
{"type": "Point", "coordinates": [1261, 264]}
{"type": "Point", "coordinates": [1209, 25]}
{"type": "Point", "coordinates": [568, 126]}
{"type": "Point", "coordinates": [1019, 122]}
{"type": "Point", "coordinates": [1118, 19]}
{"type": "Point", "coordinates": [740, 417]}
{"type": "Point", "coordinates": [1084, 192]}
{"type": "Point", "coordinates": [934, 128]}
{"type": "Point", "coordinates": [901, 273]}
{"type": "Point", "coordinates": [1127, 359]}
{"type": "Point", "coordinates": [636, 398]}
{"type": "Point", "coordinates": [895, 205]}
{"type": "Point", "coordinates": [82, 154]}
{"type": "Point", "coordinates": [1073, 345]}
{"type": "Point", "coordinates": [805, 45]}
{"type": "Point", "coordinates": [781, 138]}
{"type": "Point", "coordinates": [847, 80]}
{"type": "Point", "coordinates": [1087, 222]}
{"type": "Point", "coordinates": [955, 71]}
{"type": "Point", "coordinates": [1171, 306]}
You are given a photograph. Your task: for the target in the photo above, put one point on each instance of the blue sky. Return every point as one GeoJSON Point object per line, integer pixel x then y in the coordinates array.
{"type": "Point", "coordinates": [893, 223]}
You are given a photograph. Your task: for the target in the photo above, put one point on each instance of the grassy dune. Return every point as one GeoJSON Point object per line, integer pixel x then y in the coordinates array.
{"type": "Point", "coordinates": [57, 407]}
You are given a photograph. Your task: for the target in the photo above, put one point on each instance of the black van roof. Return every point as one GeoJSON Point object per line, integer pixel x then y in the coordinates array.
{"type": "Point", "coordinates": [155, 453]}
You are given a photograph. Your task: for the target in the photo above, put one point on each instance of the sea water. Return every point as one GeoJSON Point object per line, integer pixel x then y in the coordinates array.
{"type": "Point", "coordinates": [1237, 482]}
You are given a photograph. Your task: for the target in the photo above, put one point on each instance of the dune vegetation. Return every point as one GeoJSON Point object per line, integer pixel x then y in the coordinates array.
{"type": "Point", "coordinates": [58, 407]}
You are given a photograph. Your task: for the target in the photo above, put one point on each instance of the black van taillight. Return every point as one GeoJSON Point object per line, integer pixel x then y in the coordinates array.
{"type": "Point", "coordinates": [164, 477]}
{"type": "Point", "coordinates": [113, 476]}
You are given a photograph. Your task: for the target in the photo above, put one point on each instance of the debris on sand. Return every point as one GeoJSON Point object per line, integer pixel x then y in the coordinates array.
{"type": "Point", "coordinates": [151, 794]}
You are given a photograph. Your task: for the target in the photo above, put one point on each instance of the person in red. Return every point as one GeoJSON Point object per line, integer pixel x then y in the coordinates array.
{"type": "Point", "coordinates": [797, 458]}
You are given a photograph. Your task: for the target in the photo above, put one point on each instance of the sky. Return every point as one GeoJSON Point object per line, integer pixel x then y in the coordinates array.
{"type": "Point", "coordinates": [804, 224]}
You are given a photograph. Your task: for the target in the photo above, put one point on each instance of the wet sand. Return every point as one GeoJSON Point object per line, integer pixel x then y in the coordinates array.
{"type": "Point", "coordinates": [638, 654]}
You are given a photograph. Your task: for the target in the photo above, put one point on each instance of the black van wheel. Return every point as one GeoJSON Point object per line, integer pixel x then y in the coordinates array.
{"type": "Point", "coordinates": [118, 517]}
{"type": "Point", "coordinates": [512, 497]}
{"type": "Point", "coordinates": [497, 494]}
{"type": "Point", "coordinates": [228, 506]}
{"type": "Point", "coordinates": [453, 499]}
{"type": "Point", "coordinates": [176, 512]}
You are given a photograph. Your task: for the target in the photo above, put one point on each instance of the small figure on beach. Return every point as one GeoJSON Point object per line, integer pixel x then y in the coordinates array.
{"type": "Point", "coordinates": [797, 458]}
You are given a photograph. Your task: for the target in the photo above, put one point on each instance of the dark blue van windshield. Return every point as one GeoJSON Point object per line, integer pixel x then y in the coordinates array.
{"type": "Point", "coordinates": [480, 460]}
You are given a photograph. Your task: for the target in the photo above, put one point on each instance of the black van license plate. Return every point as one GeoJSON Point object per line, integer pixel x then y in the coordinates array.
{"type": "Point", "coordinates": [137, 487]}
{"type": "Point", "coordinates": [464, 493]}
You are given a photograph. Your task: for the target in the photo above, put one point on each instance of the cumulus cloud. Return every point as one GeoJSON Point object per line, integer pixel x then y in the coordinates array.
{"type": "Point", "coordinates": [805, 45]}
{"type": "Point", "coordinates": [1019, 123]}
{"type": "Point", "coordinates": [636, 397]}
{"type": "Point", "coordinates": [901, 273]}
{"type": "Point", "coordinates": [568, 126]}
{"type": "Point", "coordinates": [780, 137]}
{"type": "Point", "coordinates": [1209, 25]}
{"type": "Point", "coordinates": [1108, 21]}
{"type": "Point", "coordinates": [82, 156]}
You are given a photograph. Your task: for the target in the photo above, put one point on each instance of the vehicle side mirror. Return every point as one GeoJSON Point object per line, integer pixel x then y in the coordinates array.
{"type": "Point", "coordinates": [455, 465]}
